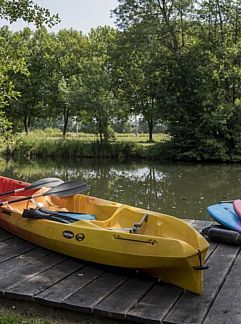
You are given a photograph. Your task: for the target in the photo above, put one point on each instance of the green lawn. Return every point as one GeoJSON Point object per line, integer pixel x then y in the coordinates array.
{"type": "Point", "coordinates": [84, 137]}
{"type": "Point", "coordinates": [141, 138]}
{"type": "Point", "coordinates": [8, 317]}
{"type": "Point", "coordinates": [50, 143]}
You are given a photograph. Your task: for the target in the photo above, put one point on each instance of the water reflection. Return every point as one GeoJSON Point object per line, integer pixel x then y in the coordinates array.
{"type": "Point", "coordinates": [182, 190]}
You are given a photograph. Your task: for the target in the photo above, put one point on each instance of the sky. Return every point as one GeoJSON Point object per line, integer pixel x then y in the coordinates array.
{"type": "Point", "coordinates": [81, 15]}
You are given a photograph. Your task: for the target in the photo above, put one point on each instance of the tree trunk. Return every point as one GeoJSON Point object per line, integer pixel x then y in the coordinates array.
{"type": "Point", "coordinates": [166, 13]}
{"type": "Point", "coordinates": [100, 131]}
{"type": "Point", "coordinates": [182, 30]}
{"type": "Point", "coordinates": [26, 122]}
{"type": "Point", "coordinates": [220, 21]}
{"type": "Point", "coordinates": [150, 129]}
{"type": "Point", "coordinates": [66, 120]}
{"type": "Point", "coordinates": [100, 124]}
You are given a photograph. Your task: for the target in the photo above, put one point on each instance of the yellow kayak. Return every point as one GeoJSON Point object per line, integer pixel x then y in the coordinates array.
{"type": "Point", "coordinates": [107, 232]}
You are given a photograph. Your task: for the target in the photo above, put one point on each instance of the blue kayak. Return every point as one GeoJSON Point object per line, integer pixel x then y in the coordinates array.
{"type": "Point", "coordinates": [225, 215]}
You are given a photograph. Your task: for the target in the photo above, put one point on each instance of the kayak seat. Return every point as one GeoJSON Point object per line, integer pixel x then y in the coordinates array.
{"type": "Point", "coordinates": [124, 218]}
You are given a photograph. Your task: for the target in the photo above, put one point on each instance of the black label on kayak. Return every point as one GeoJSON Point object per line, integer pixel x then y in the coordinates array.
{"type": "Point", "coordinates": [68, 234]}
{"type": "Point", "coordinates": [80, 237]}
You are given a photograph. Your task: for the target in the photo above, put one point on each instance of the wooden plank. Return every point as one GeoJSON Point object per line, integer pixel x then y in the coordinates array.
{"type": "Point", "coordinates": [30, 270]}
{"type": "Point", "coordinates": [12, 241]}
{"type": "Point", "coordinates": [211, 249]}
{"type": "Point", "coordinates": [200, 224]}
{"type": "Point", "coordinates": [89, 296]}
{"type": "Point", "coordinates": [118, 303]}
{"type": "Point", "coordinates": [30, 287]}
{"type": "Point", "coordinates": [90, 289]}
{"type": "Point", "coordinates": [155, 304]}
{"type": "Point", "coordinates": [226, 308]}
{"type": "Point", "coordinates": [189, 221]}
{"type": "Point", "coordinates": [13, 247]}
{"type": "Point", "coordinates": [191, 308]}
{"type": "Point", "coordinates": [59, 292]}
{"type": "Point", "coordinates": [19, 261]}
{"type": "Point", "coordinates": [158, 301]}
{"type": "Point", "coordinates": [4, 235]}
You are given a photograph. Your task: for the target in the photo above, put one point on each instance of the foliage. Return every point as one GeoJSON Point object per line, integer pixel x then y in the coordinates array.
{"type": "Point", "coordinates": [172, 63]}
{"type": "Point", "coordinates": [94, 85]}
{"type": "Point", "coordinates": [68, 49]}
{"type": "Point", "coordinates": [31, 103]}
{"type": "Point", "coordinates": [13, 52]}
{"type": "Point", "coordinates": [199, 93]}
{"type": "Point", "coordinates": [12, 56]}
{"type": "Point", "coordinates": [45, 143]}
{"type": "Point", "coordinates": [139, 73]}
{"type": "Point", "coordinates": [11, 61]}
{"type": "Point", "coordinates": [28, 11]}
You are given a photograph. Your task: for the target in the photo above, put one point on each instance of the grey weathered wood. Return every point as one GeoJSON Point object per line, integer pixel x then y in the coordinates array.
{"type": "Point", "coordinates": [59, 292]}
{"type": "Point", "coordinates": [30, 270]}
{"type": "Point", "coordinates": [158, 301]}
{"type": "Point", "coordinates": [13, 247]}
{"type": "Point", "coordinates": [89, 296]}
{"type": "Point", "coordinates": [155, 304]}
{"type": "Point", "coordinates": [28, 288]}
{"type": "Point", "coordinates": [226, 308]}
{"type": "Point", "coordinates": [200, 224]}
{"type": "Point", "coordinates": [4, 235]}
{"type": "Point", "coordinates": [211, 249]}
{"type": "Point", "coordinates": [118, 303]}
{"type": "Point", "coordinates": [13, 264]}
{"type": "Point", "coordinates": [191, 308]}
{"type": "Point", "coordinates": [12, 242]}
{"type": "Point", "coordinates": [189, 221]}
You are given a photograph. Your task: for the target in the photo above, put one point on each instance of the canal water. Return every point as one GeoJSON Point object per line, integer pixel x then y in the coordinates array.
{"type": "Point", "coordinates": [181, 190]}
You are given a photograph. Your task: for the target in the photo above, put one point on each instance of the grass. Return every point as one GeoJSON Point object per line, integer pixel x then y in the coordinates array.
{"type": "Point", "coordinates": [55, 134]}
{"type": "Point", "coordinates": [142, 138]}
{"type": "Point", "coordinates": [22, 312]}
{"type": "Point", "coordinates": [9, 317]}
{"type": "Point", "coordinates": [50, 143]}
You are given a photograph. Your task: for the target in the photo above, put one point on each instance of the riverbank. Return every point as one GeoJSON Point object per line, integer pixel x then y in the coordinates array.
{"type": "Point", "coordinates": [51, 144]}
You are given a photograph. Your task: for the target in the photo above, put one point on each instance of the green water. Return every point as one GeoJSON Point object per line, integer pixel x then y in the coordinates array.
{"type": "Point", "coordinates": [182, 190]}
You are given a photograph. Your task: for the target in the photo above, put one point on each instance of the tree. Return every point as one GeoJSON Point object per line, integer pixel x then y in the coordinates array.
{"type": "Point", "coordinates": [94, 87]}
{"type": "Point", "coordinates": [12, 60]}
{"type": "Point", "coordinates": [68, 50]}
{"type": "Point", "coordinates": [141, 60]}
{"type": "Point", "coordinates": [33, 88]}
{"type": "Point", "coordinates": [200, 74]}
{"type": "Point", "coordinates": [27, 10]}
{"type": "Point", "coordinates": [140, 73]}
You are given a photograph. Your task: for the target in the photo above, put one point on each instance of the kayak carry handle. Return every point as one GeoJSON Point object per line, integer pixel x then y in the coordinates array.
{"type": "Point", "coordinates": [200, 266]}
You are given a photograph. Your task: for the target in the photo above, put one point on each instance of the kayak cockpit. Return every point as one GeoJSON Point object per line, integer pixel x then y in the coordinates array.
{"type": "Point", "coordinates": [106, 215]}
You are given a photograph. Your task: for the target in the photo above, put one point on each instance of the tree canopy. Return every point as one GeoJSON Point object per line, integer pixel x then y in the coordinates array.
{"type": "Point", "coordinates": [174, 62]}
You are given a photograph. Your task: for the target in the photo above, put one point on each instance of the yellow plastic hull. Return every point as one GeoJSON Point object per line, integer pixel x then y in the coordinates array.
{"type": "Point", "coordinates": [165, 247]}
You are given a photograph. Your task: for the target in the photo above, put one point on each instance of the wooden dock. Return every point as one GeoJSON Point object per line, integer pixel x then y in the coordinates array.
{"type": "Point", "coordinates": [31, 273]}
